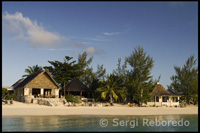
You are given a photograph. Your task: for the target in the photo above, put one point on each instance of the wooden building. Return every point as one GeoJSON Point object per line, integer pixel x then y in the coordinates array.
{"type": "Point", "coordinates": [40, 84]}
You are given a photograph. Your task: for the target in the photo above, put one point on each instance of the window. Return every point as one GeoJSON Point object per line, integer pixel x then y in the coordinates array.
{"type": "Point", "coordinates": [35, 92]}
{"type": "Point", "coordinates": [175, 99]}
{"type": "Point", "coordinates": [155, 99]}
{"type": "Point", "coordinates": [165, 98]}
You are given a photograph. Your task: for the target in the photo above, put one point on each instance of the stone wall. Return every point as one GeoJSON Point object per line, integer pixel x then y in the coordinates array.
{"type": "Point", "coordinates": [18, 94]}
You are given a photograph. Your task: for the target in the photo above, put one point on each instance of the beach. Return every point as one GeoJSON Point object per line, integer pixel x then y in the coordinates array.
{"type": "Point", "coordinates": [22, 109]}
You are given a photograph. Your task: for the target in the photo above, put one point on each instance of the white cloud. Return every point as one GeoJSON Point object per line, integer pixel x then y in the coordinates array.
{"type": "Point", "coordinates": [96, 38]}
{"type": "Point", "coordinates": [27, 30]}
{"type": "Point", "coordinates": [91, 50]}
{"type": "Point", "coordinates": [111, 33]}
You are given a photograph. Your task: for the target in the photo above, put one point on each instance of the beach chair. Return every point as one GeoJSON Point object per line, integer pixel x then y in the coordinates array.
{"type": "Point", "coordinates": [90, 104]}
{"type": "Point", "coordinates": [74, 104]}
{"type": "Point", "coordinates": [69, 103]}
{"type": "Point", "coordinates": [130, 105]}
{"type": "Point", "coordinates": [107, 104]}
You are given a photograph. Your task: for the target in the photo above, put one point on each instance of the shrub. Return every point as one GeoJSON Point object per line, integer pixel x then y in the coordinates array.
{"type": "Point", "coordinates": [72, 98]}
{"type": "Point", "coordinates": [69, 98]}
{"type": "Point", "coordinates": [77, 99]}
{"type": "Point", "coordinates": [9, 96]}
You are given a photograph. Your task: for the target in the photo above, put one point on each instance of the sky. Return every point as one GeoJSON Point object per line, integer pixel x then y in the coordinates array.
{"type": "Point", "coordinates": [38, 32]}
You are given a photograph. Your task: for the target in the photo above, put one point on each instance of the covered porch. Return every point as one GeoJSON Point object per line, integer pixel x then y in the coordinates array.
{"type": "Point", "coordinates": [41, 92]}
{"type": "Point", "coordinates": [164, 101]}
{"type": "Point", "coordinates": [81, 93]}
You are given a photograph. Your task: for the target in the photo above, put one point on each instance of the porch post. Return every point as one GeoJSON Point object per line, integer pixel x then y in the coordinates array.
{"type": "Point", "coordinates": [26, 91]}
{"type": "Point", "coordinates": [160, 100]}
{"type": "Point", "coordinates": [41, 91]}
{"type": "Point", "coordinates": [170, 99]}
{"type": "Point", "coordinates": [81, 93]}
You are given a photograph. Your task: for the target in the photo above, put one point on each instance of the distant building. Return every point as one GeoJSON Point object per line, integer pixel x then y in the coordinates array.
{"type": "Point", "coordinates": [37, 85]}
{"type": "Point", "coordinates": [163, 97]}
{"type": "Point", "coordinates": [76, 87]}
{"type": "Point", "coordinates": [9, 88]}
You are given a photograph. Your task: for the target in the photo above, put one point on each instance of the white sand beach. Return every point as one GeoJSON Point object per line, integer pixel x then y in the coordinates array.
{"type": "Point", "coordinates": [22, 109]}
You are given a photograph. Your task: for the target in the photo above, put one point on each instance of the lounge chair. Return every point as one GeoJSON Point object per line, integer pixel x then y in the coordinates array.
{"type": "Point", "coordinates": [107, 104]}
{"type": "Point", "coordinates": [130, 104]}
{"type": "Point", "coordinates": [90, 104]}
{"type": "Point", "coordinates": [74, 104]}
{"type": "Point", "coordinates": [69, 103]}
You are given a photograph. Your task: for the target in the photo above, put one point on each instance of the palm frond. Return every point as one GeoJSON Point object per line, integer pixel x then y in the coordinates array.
{"type": "Point", "coordinates": [104, 94]}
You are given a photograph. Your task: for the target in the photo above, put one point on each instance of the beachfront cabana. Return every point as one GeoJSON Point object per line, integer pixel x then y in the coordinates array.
{"type": "Point", "coordinates": [40, 84]}
{"type": "Point", "coordinates": [76, 87]}
{"type": "Point", "coordinates": [163, 97]}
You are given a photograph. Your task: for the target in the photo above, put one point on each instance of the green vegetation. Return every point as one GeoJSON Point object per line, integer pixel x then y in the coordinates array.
{"type": "Point", "coordinates": [72, 98]}
{"type": "Point", "coordinates": [139, 81]}
{"type": "Point", "coordinates": [9, 96]}
{"type": "Point", "coordinates": [111, 88]}
{"type": "Point", "coordinates": [34, 69]}
{"type": "Point", "coordinates": [4, 92]}
{"type": "Point", "coordinates": [6, 95]}
{"type": "Point", "coordinates": [123, 84]}
{"type": "Point", "coordinates": [62, 72]}
{"type": "Point", "coordinates": [186, 80]}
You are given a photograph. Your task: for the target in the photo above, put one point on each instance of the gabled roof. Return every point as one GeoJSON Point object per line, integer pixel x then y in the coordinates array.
{"type": "Point", "coordinates": [76, 86]}
{"type": "Point", "coordinates": [32, 76]}
{"type": "Point", "coordinates": [16, 83]}
{"type": "Point", "coordinates": [173, 92]}
{"type": "Point", "coordinates": [159, 90]}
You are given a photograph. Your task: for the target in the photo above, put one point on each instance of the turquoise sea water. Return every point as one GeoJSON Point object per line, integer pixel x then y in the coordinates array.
{"type": "Point", "coordinates": [101, 123]}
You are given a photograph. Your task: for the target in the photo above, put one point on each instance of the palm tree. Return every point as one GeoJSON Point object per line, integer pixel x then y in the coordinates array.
{"type": "Point", "coordinates": [110, 88]}
{"type": "Point", "coordinates": [30, 70]}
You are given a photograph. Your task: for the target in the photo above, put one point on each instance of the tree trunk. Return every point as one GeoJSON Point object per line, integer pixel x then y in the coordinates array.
{"type": "Point", "coordinates": [111, 100]}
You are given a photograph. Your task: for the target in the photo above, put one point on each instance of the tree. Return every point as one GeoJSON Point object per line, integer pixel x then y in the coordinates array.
{"type": "Point", "coordinates": [186, 80]}
{"type": "Point", "coordinates": [65, 71]}
{"type": "Point", "coordinates": [101, 72]}
{"type": "Point", "coordinates": [34, 69]}
{"type": "Point", "coordinates": [139, 81]}
{"type": "Point", "coordinates": [98, 81]}
{"type": "Point", "coordinates": [88, 75]}
{"type": "Point", "coordinates": [121, 73]}
{"type": "Point", "coordinates": [4, 92]}
{"type": "Point", "coordinates": [109, 89]}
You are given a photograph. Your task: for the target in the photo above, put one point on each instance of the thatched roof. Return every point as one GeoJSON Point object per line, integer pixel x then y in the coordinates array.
{"type": "Point", "coordinates": [76, 86]}
{"type": "Point", "coordinates": [173, 92]}
{"type": "Point", "coordinates": [159, 90]}
{"type": "Point", "coordinates": [32, 76]}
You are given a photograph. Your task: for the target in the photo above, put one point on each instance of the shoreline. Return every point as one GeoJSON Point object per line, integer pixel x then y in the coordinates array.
{"type": "Point", "coordinates": [22, 109]}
